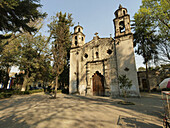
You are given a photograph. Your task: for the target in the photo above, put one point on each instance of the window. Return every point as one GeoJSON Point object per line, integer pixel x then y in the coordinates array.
{"type": "Point", "coordinates": [82, 38]}
{"type": "Point", "coordinates": [78, 29]}
{"type": "Point", "coordinates": [109, 51]}
{"type": "Point", "coordinates": [124, 12]}
{"type": "Point", "coordinates": [76, 43]}
{"type": "Point", "coordinates": [76, 40]}
{"type": "Point", "coordinates": [86, 55]}
{"type": "Point", "coordinates": [97, 55]}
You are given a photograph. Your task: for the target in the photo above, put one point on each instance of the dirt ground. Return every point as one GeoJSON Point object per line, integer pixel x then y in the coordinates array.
{"type": "Point", "coordinates": [73, 111]}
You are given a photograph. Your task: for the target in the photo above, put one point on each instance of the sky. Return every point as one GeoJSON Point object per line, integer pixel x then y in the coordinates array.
{"type": "Point", "coordinates": [93, 15]}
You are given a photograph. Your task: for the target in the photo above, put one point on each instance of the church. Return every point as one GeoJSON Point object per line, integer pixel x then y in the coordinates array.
{"type": "Point", "coordinates": [95, 66]}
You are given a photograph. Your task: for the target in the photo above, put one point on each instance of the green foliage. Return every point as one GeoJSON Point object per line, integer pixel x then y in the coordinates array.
{"type": "Point", "coordinates": [16, 14]}
{"type": "Point", "coordinates": [64, 76]}
{"type": "Point", "coordinates": [151, 32]}
{"type": "Point", "coordinates": [61, 43]}
{"type": "Point", "coordinates": [125, 84]}
{"type": "Point", "coordinates": [145, 39]}
{"type": "Point", "coordinates": [8, 58]}
{"type": "Point", "coordinates": [60, 32]}
{"type": "Point", "coordinates": [5, 95]}
{"type": "Point", "coordinates": [35, 91]}
{"type": "Point", "coordinates": [153, 16]}
{"type": "Point", "coordinates": [157, 10]}
{"type": "Point", "coordinates": [9, 93]}
{"type": "Point", "coordinates": [34, 57]}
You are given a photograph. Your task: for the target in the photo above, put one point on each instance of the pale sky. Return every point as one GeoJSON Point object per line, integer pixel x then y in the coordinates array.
{"type": "Point", "coordinates": [93, 15]}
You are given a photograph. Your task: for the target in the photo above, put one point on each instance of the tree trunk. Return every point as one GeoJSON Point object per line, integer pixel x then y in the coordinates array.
{"type": "Point", "coordinates": [56, 86]}
{"type": "Point", "coordinates": [6, 78]}
{"type": "Point", "coordinates": [25, 82]}
{"type": "Point", "coordinates": [147, 78]}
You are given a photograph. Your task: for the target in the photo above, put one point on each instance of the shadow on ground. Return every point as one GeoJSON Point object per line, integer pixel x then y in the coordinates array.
{"type": "Point", "coordinates": [73, 111]}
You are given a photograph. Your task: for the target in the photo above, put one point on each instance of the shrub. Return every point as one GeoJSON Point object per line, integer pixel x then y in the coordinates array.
{"type": "Point", "coordinates": [125, 84]}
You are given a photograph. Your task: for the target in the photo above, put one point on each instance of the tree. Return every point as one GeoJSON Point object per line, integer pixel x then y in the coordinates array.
{"type": "Point", "coordinates": [8, 56]}
{"type": "Point", "coordinates": [33, 57]}
{"type": "Point", "coordinates": [61, 35]}
{"type": "Point", "coordinates": [125, 84]}
{"type": "Point", "coordinates": [164, 46]}
{"type": "Point", "coordinates": [16, 14]}
{"type": "Point", "coordinates": [157, 11]}
{"type": "Point", "coordinates": [145, 40]}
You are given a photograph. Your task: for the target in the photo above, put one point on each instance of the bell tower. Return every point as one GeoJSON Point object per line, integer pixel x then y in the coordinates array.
{"type": "Point", "coordinates": [122, 22]}
{"type": "Point", "coordinates": [78, 38]}
{"type": "Point", "coordinates": [125, 58]}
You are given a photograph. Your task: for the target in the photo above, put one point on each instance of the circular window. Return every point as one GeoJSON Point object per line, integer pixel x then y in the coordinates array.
{"type": "Point", "coordinates": [109, 51]}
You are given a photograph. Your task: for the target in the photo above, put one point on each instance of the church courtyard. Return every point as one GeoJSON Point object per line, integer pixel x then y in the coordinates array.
{"type": "Point", "coordinates": [73, 111]}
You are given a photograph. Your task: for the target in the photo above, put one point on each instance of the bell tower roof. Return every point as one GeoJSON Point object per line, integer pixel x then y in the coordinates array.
{"type": "Point", "coordinates": [122, 22]}
{"type": "Point", "coordinates": [78, 28]}
{"type": "Point", "coordinates": [120, 11]}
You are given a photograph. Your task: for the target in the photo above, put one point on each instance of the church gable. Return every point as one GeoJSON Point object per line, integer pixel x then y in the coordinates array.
{"type": "Point", "coordinates": [99, 49]}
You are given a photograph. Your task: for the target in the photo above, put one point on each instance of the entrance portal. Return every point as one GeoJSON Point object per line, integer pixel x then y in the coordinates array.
{"type": "Point", "coordinates": [98, 84]}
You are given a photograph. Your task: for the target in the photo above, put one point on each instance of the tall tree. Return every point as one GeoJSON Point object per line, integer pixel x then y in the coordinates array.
{"type": "Point", "coordinates": [158, 12]}
{"type": "Point", "coordinates": [61, 35]}
{"type": "Point", "coordinates": [145, 40]}
{"type": "Point", "coordinates": [16, 14]}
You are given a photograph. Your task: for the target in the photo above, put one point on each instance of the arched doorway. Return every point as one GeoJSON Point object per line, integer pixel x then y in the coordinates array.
{"type": "Point", "coordinates": [98, 84]}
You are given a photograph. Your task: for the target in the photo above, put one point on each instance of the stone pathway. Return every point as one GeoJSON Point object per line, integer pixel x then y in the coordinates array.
{"type": "Point", "coordinates": [72, 111]}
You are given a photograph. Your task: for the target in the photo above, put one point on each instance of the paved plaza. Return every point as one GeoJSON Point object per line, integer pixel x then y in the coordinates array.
{"type": "Point", "coordinates": [73, 111]}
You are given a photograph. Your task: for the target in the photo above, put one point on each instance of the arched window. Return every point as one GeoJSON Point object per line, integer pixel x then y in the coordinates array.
{"type": "Point", "coordinates": [97, 55]}
{"type": "Point", "coordinates": [82, 38]}
{"type": "Point", "coordinates": [76, 43]}
{"type": "Point", "coordinates": [124, 12]}
{"type": "Point", "coordinates": [75, 37]}
{"type": "Point", "coordinates": [78, 29]}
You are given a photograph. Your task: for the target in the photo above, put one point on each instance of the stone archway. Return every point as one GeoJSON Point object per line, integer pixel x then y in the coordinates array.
{"type": "Point", "coordinates": [98, 84]}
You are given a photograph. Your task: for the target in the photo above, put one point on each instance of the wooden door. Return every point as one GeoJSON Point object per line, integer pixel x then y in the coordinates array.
{"type": "Point", "coordinates": [98, 84]}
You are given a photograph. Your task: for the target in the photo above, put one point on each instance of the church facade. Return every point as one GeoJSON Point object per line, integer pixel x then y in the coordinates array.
{"type": "Point", "coordinates": [96, 65]}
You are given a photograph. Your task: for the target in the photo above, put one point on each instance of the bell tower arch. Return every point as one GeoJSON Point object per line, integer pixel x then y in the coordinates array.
{"type": "Point", "coordinates": [121, 22]}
